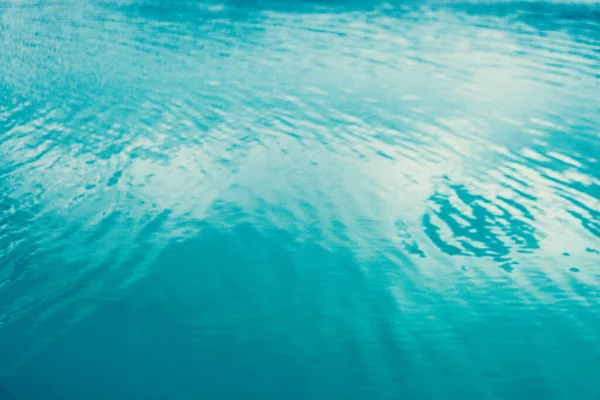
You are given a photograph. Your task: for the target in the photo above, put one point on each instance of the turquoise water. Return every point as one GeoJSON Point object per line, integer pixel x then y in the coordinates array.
{"type": "Point", "coordinates": [299, 200]}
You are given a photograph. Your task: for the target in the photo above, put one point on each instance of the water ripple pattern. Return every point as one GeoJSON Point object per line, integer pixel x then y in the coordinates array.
{"type": "Point", "coordinates": [309, 199]}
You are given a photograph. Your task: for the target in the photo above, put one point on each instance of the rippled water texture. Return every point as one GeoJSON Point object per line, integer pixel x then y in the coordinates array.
{"type": "Point", "coordinates": [299, 200]}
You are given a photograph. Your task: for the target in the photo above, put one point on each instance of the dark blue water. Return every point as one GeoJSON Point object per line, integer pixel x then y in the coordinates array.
{"type": "Point", "coordinates": [299, 200]}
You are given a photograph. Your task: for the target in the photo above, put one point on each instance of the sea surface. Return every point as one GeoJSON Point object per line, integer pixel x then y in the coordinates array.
{"type": "Point", "coordinates": [301, 199]}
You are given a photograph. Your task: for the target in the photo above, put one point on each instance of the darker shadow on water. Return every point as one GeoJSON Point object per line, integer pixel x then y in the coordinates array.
{"type": "Point", "coordinates": [532, 11]}
{"type": "Point", "coordinates": [186, 11]}
{"type": "Point", "coordinates": [246, 17]}
{"type": "Point", "coordinates": [187, 6]}
{"type": "Point", "coordinates": [7, 389]}
{"type": "Point", "coordinates": [542, 11]}
{"type": "Point", "coordinates": [283, 314]}
{"type": "Point", "coordinates": [580, 20]}
{"type": "Point", "coordinates": [242, 311]}
{"type": "Point", "coordinates": [247, 310]}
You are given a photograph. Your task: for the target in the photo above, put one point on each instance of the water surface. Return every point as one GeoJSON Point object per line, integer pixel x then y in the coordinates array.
{"type": "Point", "coordinates": [299, 200]}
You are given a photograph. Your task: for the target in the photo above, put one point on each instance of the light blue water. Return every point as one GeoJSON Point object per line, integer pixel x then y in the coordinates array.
{"type": "Point", "coordinates": [299, 200]}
